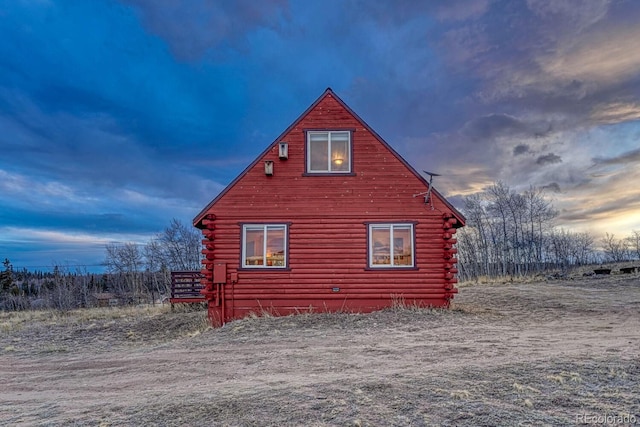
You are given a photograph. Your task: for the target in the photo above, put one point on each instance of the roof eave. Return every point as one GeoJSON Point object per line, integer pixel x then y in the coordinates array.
{"type": "Point", "coordinates": [198, 218]}
{"type": "Point", "coordinates": [197, 221]}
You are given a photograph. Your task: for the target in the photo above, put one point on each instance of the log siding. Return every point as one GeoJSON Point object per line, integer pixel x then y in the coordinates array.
{"type": "Point", "coordinates": [327, 218]}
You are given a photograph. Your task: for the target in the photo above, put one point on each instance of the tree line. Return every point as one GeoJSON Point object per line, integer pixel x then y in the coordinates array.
{"type": "Point", "coordinates": [511, 233]}
{"type": "Point", "coordinates": [507, 233]}
{"type": "Point", "coordinates": [135, 273]}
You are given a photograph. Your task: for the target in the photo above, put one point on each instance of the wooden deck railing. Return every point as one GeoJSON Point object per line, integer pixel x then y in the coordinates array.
{"type": "Point", "coordinates": [185, 287]}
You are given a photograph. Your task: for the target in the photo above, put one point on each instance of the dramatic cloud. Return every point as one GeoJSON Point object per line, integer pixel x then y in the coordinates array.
{"type": "Point", "coordinates": [195, 28]}
{"type": "Point", "coordinates": [498, 125]}
{"type": "Point", "coordinates": [520, 149]}
{"type": "Point", "coordinates": [117, 116]}
{"type": "Point", "coordinates": [548, 159]}
{"type": "Point", "coordinates": [462, 10]}
{"type": "Point", "coordinates": [617, 112]}
{"type": "Point", "coordinates": [632, 156]}
{"type": "Point", "coordinates": [554, 187]}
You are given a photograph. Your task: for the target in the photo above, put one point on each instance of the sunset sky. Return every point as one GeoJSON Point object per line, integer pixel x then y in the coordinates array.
{"type": "Point", "coordinates": [117, 116]}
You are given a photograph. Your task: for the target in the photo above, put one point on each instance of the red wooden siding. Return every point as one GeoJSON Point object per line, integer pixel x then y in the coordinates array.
{"type": "Point", "coordinates": [327, 217]}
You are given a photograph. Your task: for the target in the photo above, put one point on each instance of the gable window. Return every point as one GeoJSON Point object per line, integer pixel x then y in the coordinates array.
{"type": "Point", "coordinates": [328, 151]}
{"type": "Point", "coordinates": [391, 245]}
{"type": "Point", "coordinates": [264, 246]}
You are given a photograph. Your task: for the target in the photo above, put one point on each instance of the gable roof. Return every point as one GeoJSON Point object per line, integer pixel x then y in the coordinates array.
{"type": "Point", "coordinates": [328, 92]}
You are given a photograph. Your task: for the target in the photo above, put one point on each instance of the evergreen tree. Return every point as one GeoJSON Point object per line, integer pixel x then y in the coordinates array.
{"type": "Point", "coordinates": [6, 277]}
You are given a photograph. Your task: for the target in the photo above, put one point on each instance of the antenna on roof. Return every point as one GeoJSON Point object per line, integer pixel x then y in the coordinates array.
{"type": "Point", "coordinates": [427, 194]}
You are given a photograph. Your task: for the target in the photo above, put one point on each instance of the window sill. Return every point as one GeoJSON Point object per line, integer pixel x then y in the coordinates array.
{"type": "Point", "coordinates": [407, 268]}
{"type": "Point", "coordinates": [329, 174]}
{"type": "Point", "coordinates": [265, 269]}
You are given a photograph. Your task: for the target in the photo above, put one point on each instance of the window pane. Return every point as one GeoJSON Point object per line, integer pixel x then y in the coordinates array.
{"type": "Point", "coordinates": [380, 248]}
{"type": "Point", "coordinates": [340, 136]}
{"type": "Point", "coordinates": [254, 244]}
{"type": "Point", "coordinates": [276, 246]}
{"type": "Point", "coordinates": [402, 248]}
{"type": "Point", "coordinates": [318, 152]}
{"type": "Point", "coordinates": [391, 245]}
{"type": "Point", "coordinates": [340, 151]}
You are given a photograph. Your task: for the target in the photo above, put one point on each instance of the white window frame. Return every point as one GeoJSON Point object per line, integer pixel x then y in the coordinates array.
{"type": "Point", "coordinates": [329, 160]}
{"type": "Point", "coordinates": [264, 228]}
{"type": "Point", "coordinates": [391, 227]}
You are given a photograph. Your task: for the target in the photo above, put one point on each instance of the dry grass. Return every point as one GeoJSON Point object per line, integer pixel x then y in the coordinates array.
{"type": "Point", "coordinates": [49, 331]}
{"type": "Point", "coordinates": [505, 354]}
{"type": "Point", "coordinates": [16, 320]}
{"type": "Point", "coordinates": [575, 273]}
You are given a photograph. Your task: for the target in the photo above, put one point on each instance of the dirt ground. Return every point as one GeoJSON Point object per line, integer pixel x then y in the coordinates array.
{"type": "Point", "coordinates": [551, 352]}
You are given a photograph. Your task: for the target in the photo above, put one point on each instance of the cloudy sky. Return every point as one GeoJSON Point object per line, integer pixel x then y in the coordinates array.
{"type": "Point", "coordinates": [117, 116]}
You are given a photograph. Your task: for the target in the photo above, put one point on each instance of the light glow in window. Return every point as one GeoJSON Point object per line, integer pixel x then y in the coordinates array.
{"type": "Point", "coordinates": [264, 246]}
{"type": "Point", "coordinates": [328, 151]}
{"type": "Point", "coordinates": [391, 245]}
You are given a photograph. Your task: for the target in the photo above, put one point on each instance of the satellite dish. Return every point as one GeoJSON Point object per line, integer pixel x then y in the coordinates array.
{"type": "Point", "coordinates": [427, 194]}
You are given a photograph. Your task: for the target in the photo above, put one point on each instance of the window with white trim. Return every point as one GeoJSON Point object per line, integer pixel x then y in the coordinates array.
{"type": "Point", "coordinates": [391, 245]}
{"type": "Point", "coordinates": [264, 246]}
{"type": "Point", "coordinates": [328, 151]}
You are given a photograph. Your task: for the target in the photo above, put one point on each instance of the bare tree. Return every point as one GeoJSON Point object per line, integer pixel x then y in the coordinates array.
{"type": "Point", "coordinates": [480, 236]}
{"type": "Point", "coordinates": [583, 249]}
{"type": "Point", "coordinates": [540, 214]}
{"type": "Point", "coordinates": [633, 242]}
{"type": "Point", "coordinates": [511, 233]}
{"type": "Point", "coordinates": [178, 247]}
{"type": "Point", "coordinates": [159, 280]}
{"type": "Point", "coordinates": [498, 194]}
{"type": "Point", "coordinates": [126, 261]}
{"type": "Point", "coordinates": [569, 249]}
{"type": "Point", "coordinates": [615, 250]}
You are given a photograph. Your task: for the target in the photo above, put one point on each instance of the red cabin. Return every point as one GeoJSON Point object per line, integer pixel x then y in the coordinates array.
{"type": "Point", "coordinates": [328, 218]}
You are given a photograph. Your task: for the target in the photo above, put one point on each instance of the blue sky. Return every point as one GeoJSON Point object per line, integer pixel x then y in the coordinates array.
{"type": "Point", "coordinates": [117, 116]}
